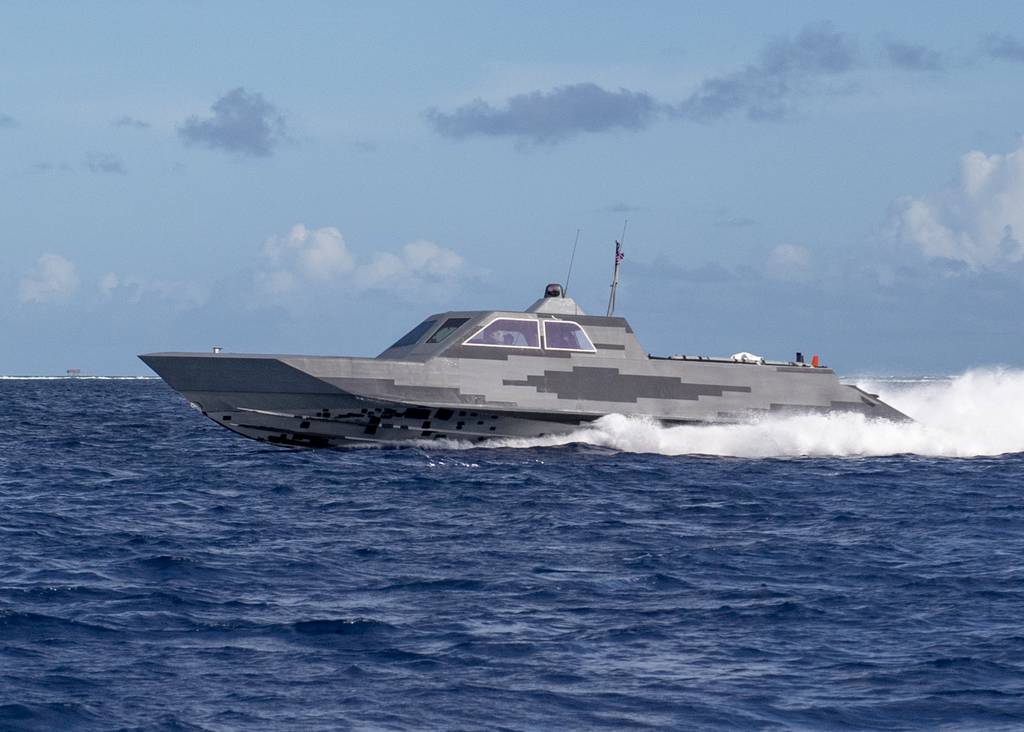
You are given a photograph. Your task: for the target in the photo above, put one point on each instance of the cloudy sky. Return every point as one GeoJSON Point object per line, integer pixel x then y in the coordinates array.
{"type": "Point", "coordinates": [845, 179]}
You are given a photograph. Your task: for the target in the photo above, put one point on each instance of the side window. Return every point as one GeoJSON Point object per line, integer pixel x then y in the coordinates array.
{"type": "Point", "coordinates": [508, 332]}
{"type": "Point", "coordinates": [450, 326]}
{"type": "Point", "coordinates": [564, 335]}
{"type": "Point", "coordinates": [415, 334]}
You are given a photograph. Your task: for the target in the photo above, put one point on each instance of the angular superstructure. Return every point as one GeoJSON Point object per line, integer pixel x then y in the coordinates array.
{"type": "Point", "coordinates": [476, 375]}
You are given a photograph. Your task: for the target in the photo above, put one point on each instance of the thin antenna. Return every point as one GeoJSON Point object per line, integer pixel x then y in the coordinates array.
{"type": "Point", "coordinates": [565, 290]}
{"type": "Point", "coordinates": [619, 256]}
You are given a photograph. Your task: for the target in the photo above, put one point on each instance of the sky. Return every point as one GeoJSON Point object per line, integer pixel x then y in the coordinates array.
{"type": "Point", "coordinates": [843, 179]}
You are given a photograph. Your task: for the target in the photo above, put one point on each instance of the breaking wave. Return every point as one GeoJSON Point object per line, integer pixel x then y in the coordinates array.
{"type": "Point", "coordinates": [980, 412]}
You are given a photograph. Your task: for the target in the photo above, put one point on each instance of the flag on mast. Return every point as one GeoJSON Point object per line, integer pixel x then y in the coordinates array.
{"type": "Point", "coordinates": [619, 256]}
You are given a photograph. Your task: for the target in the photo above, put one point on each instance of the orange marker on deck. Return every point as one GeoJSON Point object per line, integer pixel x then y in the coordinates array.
{"type": "Point", "coordinates": [815, 361]}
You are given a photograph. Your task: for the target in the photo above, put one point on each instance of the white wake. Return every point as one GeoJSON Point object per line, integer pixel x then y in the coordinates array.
{"type": "Point", "coordinates": [978, 413]}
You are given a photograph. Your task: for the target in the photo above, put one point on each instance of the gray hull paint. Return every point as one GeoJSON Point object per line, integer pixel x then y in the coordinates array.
{"type": "Point", "coordinates": [450, 390]}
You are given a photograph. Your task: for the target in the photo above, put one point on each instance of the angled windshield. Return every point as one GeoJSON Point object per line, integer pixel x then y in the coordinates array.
{"type": "Point", "coordinates": [564, 335]}
{"type": "Point", "coordinates": [508, 332]}
{"type": "Point", "coordinates": [414, 335]}
{"type": "Point", "coordinates": [450, 326]}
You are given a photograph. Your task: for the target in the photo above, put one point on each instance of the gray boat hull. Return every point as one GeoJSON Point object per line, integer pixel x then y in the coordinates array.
{"type": "Point", "coordinates": [338, 401]}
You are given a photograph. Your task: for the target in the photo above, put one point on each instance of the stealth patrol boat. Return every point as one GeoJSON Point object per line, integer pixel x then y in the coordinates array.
{"type": "Point", "coordinates": [477, 375]}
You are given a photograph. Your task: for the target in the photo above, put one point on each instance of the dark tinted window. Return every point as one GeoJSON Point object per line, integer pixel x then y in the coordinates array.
{"type": "Point", "coordinates": [450, 326]}
{"type": "Point", "coordinates": [564, 335]}
{"type": "Point", "coordinates": [513, 332]}
{"type": "Point", "coordinates": [415, 334]}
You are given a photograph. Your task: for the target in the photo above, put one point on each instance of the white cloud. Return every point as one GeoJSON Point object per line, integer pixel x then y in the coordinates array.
{"type": "Point", "coordinates": [54, 278]}
{"type": "Point", "coordinates": [276, 282]}
{"type": "Point", "coordinates": [789, 262]}
{"type": "Point", "coordinates": [978, 219]}
{"type": "Point", "coordinates": [428, 257]}
{"type": "Point", "coordinates": [321, 255]}
{"type": "Point", "coordinates": [318, 254]}
{"type": "Point", "coordinates": [134, 290]}
{"type": "Point", "coordinates": [108, 283]}
{"type": "Point", "coordinates": [415, 262]}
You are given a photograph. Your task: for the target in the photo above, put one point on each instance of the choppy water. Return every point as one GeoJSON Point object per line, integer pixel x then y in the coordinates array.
{"type": "Point", "coordinates": [158, 572]}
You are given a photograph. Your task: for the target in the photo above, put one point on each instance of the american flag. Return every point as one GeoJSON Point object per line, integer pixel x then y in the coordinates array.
{"type": "Point", "coordinates": [619, 256]}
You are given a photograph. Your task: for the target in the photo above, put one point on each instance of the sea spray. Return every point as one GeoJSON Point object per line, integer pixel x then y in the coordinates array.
{"type": "Point", "coordinates": [980, 412]}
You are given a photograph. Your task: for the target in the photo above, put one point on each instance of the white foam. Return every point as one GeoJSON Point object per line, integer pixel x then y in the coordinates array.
{"type": "Point", "coordinates": [977, 413]}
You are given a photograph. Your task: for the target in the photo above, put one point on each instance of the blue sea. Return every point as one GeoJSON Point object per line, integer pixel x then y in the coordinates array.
{"type": "Point", "coordinates": [159, 572]}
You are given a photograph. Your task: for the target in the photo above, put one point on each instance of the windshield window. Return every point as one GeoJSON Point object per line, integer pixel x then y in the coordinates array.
{"type": "Point", "coordinates": [509, 332]}
{"type": "Point", "coordinates": [415, 334]}
{"type": "Point", "coordinates": [450, 326]}
{"type": "Point", "coordinates": [564, 335]}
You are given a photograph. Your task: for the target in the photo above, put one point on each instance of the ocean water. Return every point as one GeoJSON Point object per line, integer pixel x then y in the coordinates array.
{"type": "Point", "coordinates": [158, 572]}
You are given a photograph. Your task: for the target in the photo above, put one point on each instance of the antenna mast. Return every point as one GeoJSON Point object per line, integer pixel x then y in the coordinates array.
{"type": "Point", "coordinates": [619, 256]}
{"type": "Point", "coordinates": [565, 290]}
